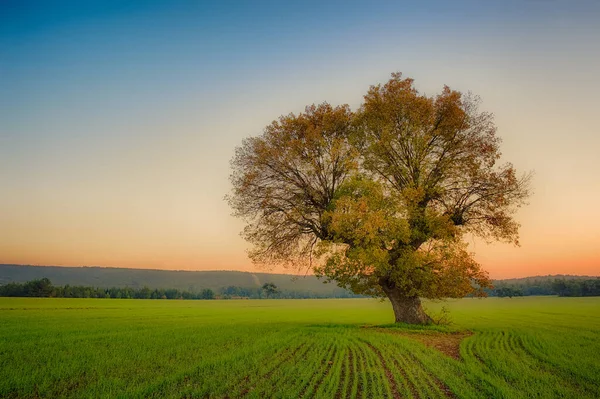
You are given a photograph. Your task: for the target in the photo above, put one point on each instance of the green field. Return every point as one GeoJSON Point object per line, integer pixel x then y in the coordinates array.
{"type": "Point", "coordinates": [527, 347]}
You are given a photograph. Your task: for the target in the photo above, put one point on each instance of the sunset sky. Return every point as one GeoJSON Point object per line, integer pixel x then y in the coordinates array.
{"type": "Point", "coordinates": [118, 118]}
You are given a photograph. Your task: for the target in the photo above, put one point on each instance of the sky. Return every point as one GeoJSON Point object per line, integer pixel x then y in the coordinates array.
{"type": "Point", "coordinates": [118, 118]}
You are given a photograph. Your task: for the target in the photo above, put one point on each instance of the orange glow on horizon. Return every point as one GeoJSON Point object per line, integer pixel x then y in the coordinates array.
{"type": "Point", "coordinates": [497, 268]}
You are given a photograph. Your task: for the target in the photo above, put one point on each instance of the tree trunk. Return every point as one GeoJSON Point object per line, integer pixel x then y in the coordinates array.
{"type": "Point", "coordinates": [406, 309]}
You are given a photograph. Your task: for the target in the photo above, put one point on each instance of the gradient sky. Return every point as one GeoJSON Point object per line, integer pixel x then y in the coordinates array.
{"type": "Point", "coordinates": [118, 119]}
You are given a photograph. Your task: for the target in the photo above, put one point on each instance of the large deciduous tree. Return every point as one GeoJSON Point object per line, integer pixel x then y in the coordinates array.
{"type": "Point", "coordinates": [380, 200]}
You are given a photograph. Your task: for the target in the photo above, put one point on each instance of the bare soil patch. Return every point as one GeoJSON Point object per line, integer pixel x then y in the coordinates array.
{"type": "Point", "coordinates": [447, 343]}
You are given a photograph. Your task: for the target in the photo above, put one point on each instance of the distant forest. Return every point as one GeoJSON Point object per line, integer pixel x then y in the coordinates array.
{"type": "Point", "coordinates": [102, 282]}
{"type": "Point", "coordinates": [232, 283]}
{"type": "Point", "coordinates": [43, 288]}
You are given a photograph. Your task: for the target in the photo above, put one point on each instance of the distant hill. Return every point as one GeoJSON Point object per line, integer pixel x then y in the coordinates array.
{"type": "Point", "coordinates": [194, 281]}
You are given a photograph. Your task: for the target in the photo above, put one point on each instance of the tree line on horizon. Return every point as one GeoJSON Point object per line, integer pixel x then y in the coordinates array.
{"type": "Point", "coordinates": [559, 286]}
{"type": "Point", "coordinates": [44, 288]}
{"type": "Point", "coordinates": [186, 281]}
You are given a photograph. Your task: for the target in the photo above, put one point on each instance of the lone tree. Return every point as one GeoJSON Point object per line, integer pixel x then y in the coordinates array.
{"type": "Point", "coordinates": [270, 289]}
{"type": "Point", "coordinates": [380, 200]}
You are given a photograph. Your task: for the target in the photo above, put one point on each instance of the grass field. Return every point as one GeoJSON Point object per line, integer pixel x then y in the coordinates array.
{"type": "Point", "coordinates": [528, 347]}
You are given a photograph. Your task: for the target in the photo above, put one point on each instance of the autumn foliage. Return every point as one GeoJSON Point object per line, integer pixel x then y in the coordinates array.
{"type": "Point", "coordinates": [380, 200]}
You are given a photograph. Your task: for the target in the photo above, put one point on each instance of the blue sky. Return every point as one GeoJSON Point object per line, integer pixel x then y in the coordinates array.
{"type": "Point", "coordinates": [118, 119]}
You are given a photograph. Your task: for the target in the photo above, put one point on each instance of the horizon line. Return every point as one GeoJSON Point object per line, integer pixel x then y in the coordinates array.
{"type": "Point", "coordinates": [260, 272]}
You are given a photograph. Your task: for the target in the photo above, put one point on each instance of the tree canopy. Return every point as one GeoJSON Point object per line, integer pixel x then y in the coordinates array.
{"type": "Point", "coordinates": [380, 199]}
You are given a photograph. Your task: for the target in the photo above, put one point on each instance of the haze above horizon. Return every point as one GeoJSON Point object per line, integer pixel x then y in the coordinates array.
{"type": "Point", "coordinates": [118, 119]}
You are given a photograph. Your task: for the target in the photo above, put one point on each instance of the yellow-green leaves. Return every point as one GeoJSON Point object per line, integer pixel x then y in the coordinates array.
{"type": "Point", "coordinates": [363, 215]}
